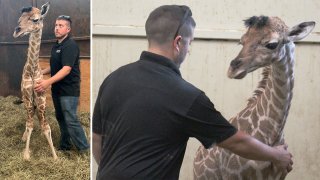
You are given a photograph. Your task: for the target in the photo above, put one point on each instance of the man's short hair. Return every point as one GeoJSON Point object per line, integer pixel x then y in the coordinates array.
{"type": "Point", "coordinates": [66, 18]}
{"type": "Point", "coordinates": [168, 21]}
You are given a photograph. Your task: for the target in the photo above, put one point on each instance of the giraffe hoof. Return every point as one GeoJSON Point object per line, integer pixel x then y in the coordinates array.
{"type": "Point", "coordinates": [55, 158]}
{"type": "Point", "coordinates": [24, 137]}
{"type": "Point", "coordinates": [26, 155]}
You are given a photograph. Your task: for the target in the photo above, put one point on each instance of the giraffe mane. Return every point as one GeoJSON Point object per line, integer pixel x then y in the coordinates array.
{"type": "Point", "coordinates": [261, 85]}
{"type": "Point", "coordinates": [26, 9]}
{"type": "Point", "coordinates": [256, 21]}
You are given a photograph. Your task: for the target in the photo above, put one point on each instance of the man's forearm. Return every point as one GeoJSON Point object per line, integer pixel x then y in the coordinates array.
{"type": "Point", "coordinates": [250, 148]}
{"type": "Point", "coordinates": [96, 147]}
{"type": "Point", "coordinates": [46, 71]}
{"type": "Point", "coordinates": [60, 74]}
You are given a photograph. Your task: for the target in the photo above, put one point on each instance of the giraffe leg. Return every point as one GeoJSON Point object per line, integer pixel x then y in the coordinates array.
{"type": "Point", "coordinates": [47, 133]}
{"type": "Point", "coordinates": [46, 130]}
{"type": "Point", "coordinates": [26, 152]}
{"type": "Point", "coordinates": [29, 126]}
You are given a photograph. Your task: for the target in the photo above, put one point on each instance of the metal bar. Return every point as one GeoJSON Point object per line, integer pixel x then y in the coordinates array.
{"type": "Point", "coordinates": [201, 34]}
{"type": "Point", "coordinates": [83, 38]}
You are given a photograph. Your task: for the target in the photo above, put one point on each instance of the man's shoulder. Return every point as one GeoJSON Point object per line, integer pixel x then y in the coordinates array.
{"type": "Point", "coordinates": [70, 43]}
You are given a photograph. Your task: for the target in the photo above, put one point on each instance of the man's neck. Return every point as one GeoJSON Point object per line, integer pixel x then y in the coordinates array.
{"type": "Point", "coordinates": [61, 39]}
{"type": "Point", "coordinates": [161, 51]}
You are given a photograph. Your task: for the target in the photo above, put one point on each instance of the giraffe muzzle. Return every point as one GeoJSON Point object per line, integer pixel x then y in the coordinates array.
{"type": "Point", "coordinates": [17, 29]}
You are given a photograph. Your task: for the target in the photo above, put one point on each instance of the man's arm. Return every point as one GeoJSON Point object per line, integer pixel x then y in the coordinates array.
{"type": "Point", "coordinates": [96, 147]}
{"type": "Point", "coordinates": [250, 148]}
{"type": "Point", "coordinates": [46, 71]}
{"type": "Point", "coordinates": [41, 86]}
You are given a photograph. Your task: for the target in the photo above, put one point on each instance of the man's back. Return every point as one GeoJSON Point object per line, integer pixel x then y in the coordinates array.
{"type": "Point", "coordinates": [143, 106]}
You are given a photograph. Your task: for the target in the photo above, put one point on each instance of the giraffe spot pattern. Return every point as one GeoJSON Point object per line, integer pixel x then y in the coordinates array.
{"type": "Point", "coordinates": [276, 102]}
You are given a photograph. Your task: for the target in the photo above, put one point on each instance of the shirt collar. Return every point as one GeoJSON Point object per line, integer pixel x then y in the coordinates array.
{"type": "Point", "coordinates": [156, 58]}
{"type": "Point", "coordinates": [65, 39]}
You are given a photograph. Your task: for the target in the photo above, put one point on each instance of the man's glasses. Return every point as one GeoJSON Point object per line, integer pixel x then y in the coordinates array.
{"type": "Point", "coordinates": [185, 16]}
{"type": "Point", "coordinates": [65, 17]}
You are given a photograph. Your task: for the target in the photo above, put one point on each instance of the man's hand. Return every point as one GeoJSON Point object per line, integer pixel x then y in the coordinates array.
{"type": "Point", "coordinates": [41, 86]}
{"type": "Point", "coordinates": [250, 148]}
{"type": "Point", "coordinates": [284, 161]}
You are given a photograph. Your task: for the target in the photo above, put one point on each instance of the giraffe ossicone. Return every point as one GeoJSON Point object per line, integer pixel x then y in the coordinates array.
{"type": "Point", "coordinates": [31, 22]}
{"type": "Point", "coordinates": [268, 43]}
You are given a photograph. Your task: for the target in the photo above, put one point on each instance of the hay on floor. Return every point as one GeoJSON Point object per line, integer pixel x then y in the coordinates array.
{"type": "Point", "coordinates": [71, 164]}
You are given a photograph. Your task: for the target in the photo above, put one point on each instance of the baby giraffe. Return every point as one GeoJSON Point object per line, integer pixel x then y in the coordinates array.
{"type": "Point", "coordinates": [268, 43]}
{"type": "Point", "coordinates": [31, 22]}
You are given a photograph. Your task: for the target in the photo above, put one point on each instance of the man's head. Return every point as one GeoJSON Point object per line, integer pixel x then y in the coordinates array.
{"type": "Point", "coordinates": [62, 27]}
{"type": "Point", "coordinates": [170, 28]}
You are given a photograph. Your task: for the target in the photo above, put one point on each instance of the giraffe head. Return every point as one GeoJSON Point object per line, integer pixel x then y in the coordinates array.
{"type": "Point", "coordinates": [263, 43]}
{"type": "Point", "coordinates": [31, 20]}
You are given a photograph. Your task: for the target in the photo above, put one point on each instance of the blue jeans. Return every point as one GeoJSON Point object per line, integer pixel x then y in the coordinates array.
{"type": "Point", "coordinates": [70, 127]}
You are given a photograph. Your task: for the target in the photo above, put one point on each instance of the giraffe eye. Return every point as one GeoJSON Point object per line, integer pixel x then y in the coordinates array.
{"type": "Point", "coordinates": [35, 20]}
{"type": "Point", "coordinates": [272, 45]}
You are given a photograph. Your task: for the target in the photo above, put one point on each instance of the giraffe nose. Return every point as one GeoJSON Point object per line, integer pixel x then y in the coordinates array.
{"type": "Point", "coordinates": [18, 29]}
{"type": "Point", "coordinates": [235, 63]}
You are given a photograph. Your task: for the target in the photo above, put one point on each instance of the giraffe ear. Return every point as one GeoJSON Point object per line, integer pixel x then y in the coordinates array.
{"type": "Point", "coordinates": [45, 9]}
{"type": "Point", "coordinates": [300, 31]}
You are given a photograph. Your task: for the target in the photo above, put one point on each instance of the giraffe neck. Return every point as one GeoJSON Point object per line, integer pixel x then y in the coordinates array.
{"type": "Point", "coordinates": [270, 104]}
{"type": "Point", "coordinates": [32, 64]}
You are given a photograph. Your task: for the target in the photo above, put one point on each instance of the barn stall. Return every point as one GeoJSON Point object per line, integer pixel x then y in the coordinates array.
{"type": "Point", "coordinates": [13, 116]}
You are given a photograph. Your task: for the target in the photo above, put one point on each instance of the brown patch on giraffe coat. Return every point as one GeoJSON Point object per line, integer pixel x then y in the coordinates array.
{"type": "Point", "coordinates": [272, 112]}
{"type": "Point", "coordinates": [267, 93]}
{"type": "Point", "coordinates": [209, 163]}
{"type": "Point", "coordinates": [42, 106]}
{"type": "Point", "coordinates": [260, 137]}
{"type": "Point", "coordinates": [230, 176]}
{"type": "Point", "coordinates": [28, 68]}
{"type": "Point", "coordinates": [37, 35]}
{"type": "Point", "coordinates": [254, 118]}
{"type": "Point", "coordinates": [266, 127]}
{"type": "Point", "coordinates": [32, 49]}
{"type": "Point", "coordinates": [242, 161]}
{"type": "Point", "coordinates": [264, 103]}
{"type": "Point", "coordinates": [247, 113]}
{"type": "Point", "coordinates": [278, 92]}
{"type": "Point", "coordinates": [38, 47]}
{"type": "Point", "coordinates": [270, 85]}
{"type": "Point", "coordinates": [269, 172]}
{"type": "Point", "coordinates": [234, 164]}
{"type": "Point", "coordinates": [249, 172]}
{"type": "Point", "coordinates": [276, 102]}
{"type": "Point", "coordinates": [279, 82]}
{"type": "Point", "coordinates": [31, 56]}
{"type": "Point", "coordinates": [259, 107]}
{"type": "Point", "coordinates": [245, 125]}
{"type": "Point", "coordinates": [201, 168]}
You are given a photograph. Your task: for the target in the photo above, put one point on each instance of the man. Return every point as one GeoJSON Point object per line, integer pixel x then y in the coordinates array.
{"type": "Point", "coordinates": [65, 82]}
{"type": "Point", "coordinates": [145, 112]}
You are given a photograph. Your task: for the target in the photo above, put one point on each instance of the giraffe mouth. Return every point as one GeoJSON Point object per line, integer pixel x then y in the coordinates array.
{"type": "Point", "coordinates": [19, 34]}
{"type": "Point", "coordinates": [240, 75]}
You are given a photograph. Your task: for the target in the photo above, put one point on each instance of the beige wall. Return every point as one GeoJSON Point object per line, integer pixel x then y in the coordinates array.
{"type": "Point", "coordinates": [119, 38]}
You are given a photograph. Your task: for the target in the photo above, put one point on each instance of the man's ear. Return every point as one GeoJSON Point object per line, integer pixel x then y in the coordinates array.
{"type": "Point", "coordinates": [177, 42]}
{"type": "Point", "coordinates": [45, 9]}
{"type": "Point", "coordinates": [300, 31]}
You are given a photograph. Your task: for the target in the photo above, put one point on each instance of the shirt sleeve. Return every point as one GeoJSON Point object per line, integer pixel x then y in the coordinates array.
{"type": "Point", "coordinates": [69, 55]}
{"type": "Point", "coordinates": [207, 124]}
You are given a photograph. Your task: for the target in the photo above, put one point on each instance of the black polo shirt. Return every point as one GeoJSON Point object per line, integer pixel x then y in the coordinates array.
{"type": "Point", "coordinates": [66, 53]}
{"type": "Point", "coordinates": [146, 113]}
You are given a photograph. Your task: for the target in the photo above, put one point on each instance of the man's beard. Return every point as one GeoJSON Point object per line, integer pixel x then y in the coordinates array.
{"type": "Point", "coordinates": [62, 36]}
{"type": "Point", "coordinates": [181, 57]}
